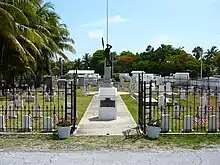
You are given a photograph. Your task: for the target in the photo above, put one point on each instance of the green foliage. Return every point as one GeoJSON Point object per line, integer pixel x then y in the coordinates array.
{"type": "Point", "coordinates": [154, 123]}
{"type": "Point", "coordinates": [31, 37]}
{"type": "Point", "coordinates": [64, 123]}
{"type": "Point", "coordinates": [116, 77]}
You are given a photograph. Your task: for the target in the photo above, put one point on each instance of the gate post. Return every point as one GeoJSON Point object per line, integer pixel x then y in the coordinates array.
{"type": "Point", "coordinates": [144, 115]}
{"type": "Point", "coordinates": [150, 101]}
{"type": "Point", "coordinates": [74, 99]}
{"type": "Point", "coordinates": [65, 117]}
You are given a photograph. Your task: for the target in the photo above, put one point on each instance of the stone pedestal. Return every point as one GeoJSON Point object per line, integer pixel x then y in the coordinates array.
{"type": "Point", "coordinates": [107, 103]}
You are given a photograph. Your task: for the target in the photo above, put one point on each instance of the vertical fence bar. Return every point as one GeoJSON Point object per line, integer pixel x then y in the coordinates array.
{"type": "Point", "coordinates": [144, 116]}
{"type": "Point", "coordinates": [65, 113]}
{"type": "Point", "coordinates": [74, 100]}
{"type": "Point", "coordinates": [150, 101]}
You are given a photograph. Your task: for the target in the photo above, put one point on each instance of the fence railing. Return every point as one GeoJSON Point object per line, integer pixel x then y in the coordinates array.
{"type": "Point", "coordinates": [37, 109]}
{"type": "Point", "coordinates": [187, 108]}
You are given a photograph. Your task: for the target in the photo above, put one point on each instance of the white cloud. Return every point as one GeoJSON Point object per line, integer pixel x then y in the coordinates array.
{"type": "Point", "coordinates": [95, 34]}
{"type": "Point", "coordinates": [112, 20]}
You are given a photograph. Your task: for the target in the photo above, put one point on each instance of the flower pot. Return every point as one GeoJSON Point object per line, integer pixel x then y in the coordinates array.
{"type": "Point", "coordinates": [63, 132]}
{"type": "Point", "coordinates": [153, 132]}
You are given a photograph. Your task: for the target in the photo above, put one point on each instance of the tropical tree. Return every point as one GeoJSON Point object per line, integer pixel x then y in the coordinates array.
{"type": "Point", "coordinates": [31, 35]}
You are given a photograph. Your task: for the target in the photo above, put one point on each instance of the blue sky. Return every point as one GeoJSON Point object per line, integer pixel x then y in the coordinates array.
{"type": "Point", "coordinates": [134, 24]}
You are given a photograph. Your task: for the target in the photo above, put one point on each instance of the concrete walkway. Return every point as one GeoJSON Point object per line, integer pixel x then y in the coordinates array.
{"type": "Point", "coordinates": [119, 93]}
{"type": "Point", "coordinates": [174, 157]}
{"type": "Point", "coordinates": [89, 124]}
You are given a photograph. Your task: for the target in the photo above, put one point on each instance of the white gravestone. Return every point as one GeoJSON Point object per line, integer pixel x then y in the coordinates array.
{"type": "Point", "coordinates": [188, 124]}
{"type": "Point", "coordinates": [2, 123]}
{"type": "Point", "coordinates": [84, 91]}
{"type": "Point", "coordinates": [12, 111]}
{"type": "Point", "coordinates": [203, 109]}
{"type": "Point", "coordinates": [183, 94]}
{"type": "Point", "coordinates": [29, 98]}
{"type": "Point", "coordinates": [165, 124]}
{"type": "Point", "coordinates": [26, 123]}
{"type": "Point", "coordinates": [176, 112]}
{"type": "Point", "coordinates": [37, 112]}
{"type": "Point", "coordinates": [18, 103]}
{"type": "Point", "coordinates": [168, 87]}
{"type": "Point", "coordinates": [48, 124]}
{"type": "Point", "coordinates": [62, 96]}
{"type": "Point", "coordinates": [161, 102]}
{"type": "Point", "coordinates": [161, 89]}
{"type": "Point", "coordinates": [212, 123]}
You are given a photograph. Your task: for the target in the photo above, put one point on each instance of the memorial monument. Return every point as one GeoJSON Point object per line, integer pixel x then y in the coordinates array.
{"type": "Point", "coordinates": [107, 96]}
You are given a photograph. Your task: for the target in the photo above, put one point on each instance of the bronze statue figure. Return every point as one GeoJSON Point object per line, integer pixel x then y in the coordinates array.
{"type": "Point", "coordinates": [107, 55]}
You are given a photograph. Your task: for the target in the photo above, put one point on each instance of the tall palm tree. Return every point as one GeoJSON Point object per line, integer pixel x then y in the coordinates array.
{"type": "Point", "coordinates": [197, 52]}
{"type": "Point", "coordinates": [86, 61]}
{"type": "Point", "coordinates": [30, 36]}
{"type": "Point", "coordinates": [211, 53]}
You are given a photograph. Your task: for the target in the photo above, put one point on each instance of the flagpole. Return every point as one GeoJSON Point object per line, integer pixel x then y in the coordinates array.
{"type": "Point", "coordinates": [107, 22]}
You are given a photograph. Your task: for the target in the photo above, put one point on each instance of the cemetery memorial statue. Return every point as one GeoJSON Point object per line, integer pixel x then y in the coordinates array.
{"type": "Point", "coordinates": [107, 55]}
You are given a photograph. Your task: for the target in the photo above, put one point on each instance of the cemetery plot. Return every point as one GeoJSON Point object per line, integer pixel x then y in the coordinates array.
{"type": "Point", "coordinates": [197, 112]}
{"type": "Point", "coordinates": [36, 110]}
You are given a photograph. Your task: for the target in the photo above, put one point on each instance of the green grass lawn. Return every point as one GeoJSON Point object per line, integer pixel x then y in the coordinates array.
{"type": "Point", "coordinates": [131, 105]}
{"type": "Point", "coordinates": [50, 142]}
{"type": "Point", "coordinates": [47, 109]}
{"type": "Point", "coordinates": [189, 107]}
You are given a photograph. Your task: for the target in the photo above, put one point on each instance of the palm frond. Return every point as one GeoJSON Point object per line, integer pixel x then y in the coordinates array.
{"type": "Point", "coordinates": [28, 44]}
{"type": "Point", "coordinates": [15, 12]}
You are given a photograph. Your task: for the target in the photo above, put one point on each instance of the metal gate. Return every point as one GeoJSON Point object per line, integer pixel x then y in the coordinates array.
{"type": "Point", "coordinates": [144, 106]}
{"type": "Point", "coordinates": [70, 102]}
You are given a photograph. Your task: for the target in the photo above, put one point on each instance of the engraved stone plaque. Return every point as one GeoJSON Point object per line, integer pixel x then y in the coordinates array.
{"type": "Point", "coordinates": [107, 103]}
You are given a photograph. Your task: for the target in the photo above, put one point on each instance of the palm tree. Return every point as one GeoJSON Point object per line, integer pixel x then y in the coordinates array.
{"type": "Point", "coordinates": [31, 35]}
{"type": "Point", "coordinates": [197, 52]}
{"type": "Point", "coordinates": [149, 49]}
{"type": "Point", "coordinates": [86, 61]}
{"type": "Point", "coordinates": [211, 53]}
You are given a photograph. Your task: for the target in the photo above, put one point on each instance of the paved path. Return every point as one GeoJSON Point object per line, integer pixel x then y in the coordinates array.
{"type": "Point", "coordinates": [178, 157]}
{"type": "Point", "coordinates": [119, 92]}
{"type": "Point", "coordinates": [123, 122]}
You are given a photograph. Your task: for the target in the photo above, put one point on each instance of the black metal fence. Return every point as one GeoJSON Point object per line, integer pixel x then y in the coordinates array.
{"type": "Point", "coordinates": [192, 107]}
{"type": "Point", "coordinates": [38, 109]}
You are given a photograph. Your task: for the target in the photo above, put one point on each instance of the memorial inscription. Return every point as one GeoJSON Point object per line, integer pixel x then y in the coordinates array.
{"type": "Point", "coordinates": [107, 103]}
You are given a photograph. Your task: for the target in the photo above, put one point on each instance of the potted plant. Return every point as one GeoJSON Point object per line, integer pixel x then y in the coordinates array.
{"type": "Point", "coordinates": [153, 129]}
{"type": "Point", "coordinates": [64, 128]}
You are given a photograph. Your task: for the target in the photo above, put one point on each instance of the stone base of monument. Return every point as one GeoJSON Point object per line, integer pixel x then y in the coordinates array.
{"type": "Point", "coordinates": [107, 99]}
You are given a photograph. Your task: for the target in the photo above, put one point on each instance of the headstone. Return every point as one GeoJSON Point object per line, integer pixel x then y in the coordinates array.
{"type": "Point", "coordinates": [12, 112]}
{"type": "Point", "coordinates": [161, 89]}
{"type": "Point", "coordinates": [165, 124]}
{"type": "Point", "coordinates": [48, 124]}
{"type": "Point", "coordinates": [18, 103]}
{"type": "Point", "coordinates": [161, 102]}
{"type": "Point", "coordinates": [183, 94]}
{"type": "Point", "coordinates": [62, 96]}
{"type": "Point", "coordinates": [2, 123]}
{"type": "Point", "coordinates": [47, 98]}
{"type": "Point", "coordinates": [81, 81]}
{"type": "Point", "coordinates": [30, 99]}
{"type": "Point", "coordinates": [168, 87]}
{"type": "Point", "coordinates": [188, 124]}
{"type": "Point", "coordinates": [84, 91]}
{"type": "Point", "coordinates": [48, 81]}
{"type": "Point", "coordinates": [212, 123]}
{"type": "Point", "coordinates": [26, 124]}
{"type": "Point", "coordinates": [203, 109]}
{"type": "Point", "coordinates": [176, 112]}
{"type": "Point", "coordinates": [37, 112]}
